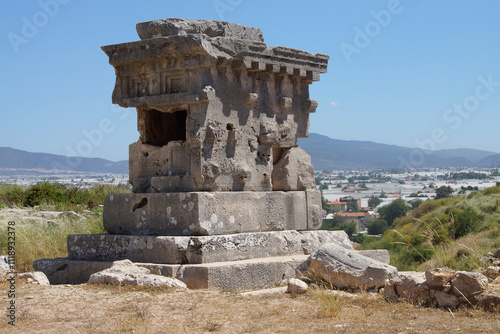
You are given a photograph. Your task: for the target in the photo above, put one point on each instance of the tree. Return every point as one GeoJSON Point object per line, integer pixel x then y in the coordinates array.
{"type": "Point", "coordinates": [416, 203]}
{"type": "Point", "coordinates": [323, 203]}
{"type": "Point", "coordinates": [378, 226]}
{"type": "Point", "coordinates": [350, 228]}
{"type": "Point", "coordinates": [374, 201]}
{"type": "Point", "coordinates": [383, 194]}
{"type": "Point", "coordinates": [394, 210]}
{"type": "Point", "coordinates": [352, 206]}
{"type": "Point", "coordinates": [443, 192]}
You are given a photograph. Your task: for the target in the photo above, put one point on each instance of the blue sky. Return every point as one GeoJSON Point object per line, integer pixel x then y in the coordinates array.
{"type": "Point", "coordinates": [410, 73]}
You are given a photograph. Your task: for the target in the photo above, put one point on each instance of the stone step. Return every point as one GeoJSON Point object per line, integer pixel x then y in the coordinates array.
{"type": "Point", "coordinates": [199, 249]}
{"type": "Point", "coordinates": [248, 274]}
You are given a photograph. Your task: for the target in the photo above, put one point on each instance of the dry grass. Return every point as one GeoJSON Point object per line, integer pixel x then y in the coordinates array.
{"type": "Point", "coordinates": [114, 309]}
{"type": "Point", "coordinates": [38, 237]}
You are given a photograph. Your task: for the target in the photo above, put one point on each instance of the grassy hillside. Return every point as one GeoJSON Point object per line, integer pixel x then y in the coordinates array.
{"type": "Point", "coordinates": [455, 232]}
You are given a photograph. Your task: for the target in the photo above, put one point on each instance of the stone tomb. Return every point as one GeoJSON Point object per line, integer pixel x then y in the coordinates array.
{"type": "Point", "coordinates": [217, 174]}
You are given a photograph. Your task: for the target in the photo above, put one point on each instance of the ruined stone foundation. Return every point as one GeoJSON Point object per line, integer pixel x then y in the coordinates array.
{"type": "Point", "coordinates": [221, 189]}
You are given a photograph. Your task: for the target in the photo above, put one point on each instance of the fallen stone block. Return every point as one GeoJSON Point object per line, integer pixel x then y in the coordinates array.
{"type": "Point", "coordinates": [344, 268]}
{"type": "Point", "coordinates": [124, 272]}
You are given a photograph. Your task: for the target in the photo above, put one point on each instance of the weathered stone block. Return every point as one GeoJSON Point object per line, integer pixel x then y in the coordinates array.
{"type": "Point", "coordinates": [468, 284]}
{"type": "Point", "coordinates": [241, 275]}
{"type": "Point", "coordinates": [293, 171]}
{"type": "Point", "coordinates": [313, 240]}
{"type": "Point", "coordinates": [204, 213]}
{"type": "Point", "coordinates": [64, 271]}
{"type": "Point", "coordinates": [344, 268]}
{"type": "Point", "coordinates": [108, 247]}
{"type": "Point", "coordinates": [437, 278]}
{"type": "Point", "coordinates": [243, 246]}
{"type": "Point", "coordinates": [381, 255]}
{"type": "Point", "coordinates": [197, 250]}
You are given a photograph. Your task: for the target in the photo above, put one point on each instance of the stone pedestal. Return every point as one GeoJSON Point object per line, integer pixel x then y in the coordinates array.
{"type": "Point", "coordinates": [242, 261]}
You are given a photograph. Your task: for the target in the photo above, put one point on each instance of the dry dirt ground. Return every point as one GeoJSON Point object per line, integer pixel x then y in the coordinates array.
{"type": "Point", "coordinates": [114, 309]}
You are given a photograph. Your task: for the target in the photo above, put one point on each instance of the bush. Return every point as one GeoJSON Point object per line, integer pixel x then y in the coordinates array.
{"type": "Point", "coordinates": [492, 190]}
{"type": "Point", "coordinates": [378, 226]}
{"type": "Point", "coordinates": [467, 221]}
{"type": "Point", "coordinates": [57, 195]}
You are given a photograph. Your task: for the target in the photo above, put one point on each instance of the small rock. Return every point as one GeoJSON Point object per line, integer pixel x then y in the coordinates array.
{"type": "Point", "coordinates": [438, 278]}
{"type": "Point", "coordinates": [492, 272]}
{"type": "Point", "coordinates": [468, 284]}
{"type": "Point", "coordinates": [489, 301]}
{"type": "Point", "coordinates": [296, 285]}
{"type": "Point", "coordinates": [497, 254]}
{"type": "Point", "coordinates": [4, 268]}
{"type": "Point", "coordinates": [36, 277]}
{"type": "Point", "coordinates": [409, 286]}
{"type": "Point", "coordinates": [446, 300]}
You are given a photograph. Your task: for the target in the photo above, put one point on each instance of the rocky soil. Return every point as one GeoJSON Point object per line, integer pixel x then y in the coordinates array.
{"type": "Point", "coordinates": [113, 309]}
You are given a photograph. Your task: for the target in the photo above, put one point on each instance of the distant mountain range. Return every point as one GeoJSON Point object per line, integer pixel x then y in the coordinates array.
{"type": "Point", "coordinates": [17, 162]}
{"type": "Point", "coordinates": [334, 154]}
{"type": "Point", "coordinates": [326, 154]}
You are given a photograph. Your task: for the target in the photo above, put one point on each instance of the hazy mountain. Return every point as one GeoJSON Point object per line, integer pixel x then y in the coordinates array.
{"type": "Point", "coordinates": [14, 161]}
{"type": "Point", "coordinates": [326, 154]}
{"type": "Point", "coordinates": [491, 161]}
{"type": "Point", "coordinates": [329, 154]}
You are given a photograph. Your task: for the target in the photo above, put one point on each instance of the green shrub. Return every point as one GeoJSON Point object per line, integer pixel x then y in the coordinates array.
{"type": "Point", "coordinates": [467, 221]}
{"type": "Point", "coordinates": [491, 191]}
{"type": "Point", "coordinates": [57, 196]}
{"type": "Point", "coordinates": [378, 226]}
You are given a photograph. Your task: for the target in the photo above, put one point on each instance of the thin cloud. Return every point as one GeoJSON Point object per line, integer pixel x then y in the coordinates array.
{"type": "Point", "coordinates": [335, 104]}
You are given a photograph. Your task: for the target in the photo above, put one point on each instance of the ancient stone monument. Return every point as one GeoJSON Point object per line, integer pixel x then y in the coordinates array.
{"type": "Point", "coordinates": [217, 176]}
{"type": "Point", "coordinates": [219, 114]}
